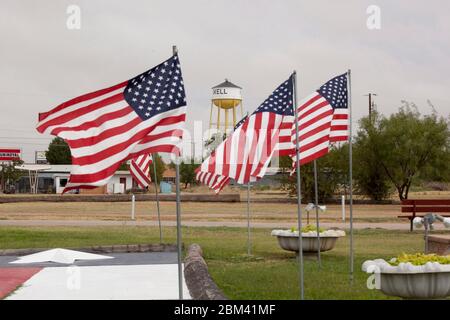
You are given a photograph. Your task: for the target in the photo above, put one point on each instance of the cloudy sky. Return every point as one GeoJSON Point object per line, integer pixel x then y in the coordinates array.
{"type": "Point", "coordinates": [255, 44]}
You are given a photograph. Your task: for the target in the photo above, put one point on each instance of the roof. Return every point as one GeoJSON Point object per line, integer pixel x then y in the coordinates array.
{"type": "Point", "coordinates": [226, 84]}
{"type": "Point", "coordinates": [60, 168]}
{"type": "Point", "coordinates": [33, 167]}
{"type": "Point", "coordinates": [169, 173]}
{"type": "Point", "coordinates": [63, 168]}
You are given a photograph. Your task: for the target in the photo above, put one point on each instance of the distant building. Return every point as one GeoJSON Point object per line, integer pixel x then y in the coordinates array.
{"type": "Point", "coordinates": [55, 179]}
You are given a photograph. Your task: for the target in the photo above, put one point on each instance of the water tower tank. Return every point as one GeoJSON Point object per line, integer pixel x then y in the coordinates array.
{"type": "Point", "coordinates": [226, 97]}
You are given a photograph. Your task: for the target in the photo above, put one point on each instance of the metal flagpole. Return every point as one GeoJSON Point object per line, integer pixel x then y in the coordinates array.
{"type": "Point", "coordinates": [249, 250]}
{"type": "Point", "coordinates": [157, 197]}
{"type": "Point", "coordinates": [350, 167]}
{"type": "Point", "coordinates": [316, 191]}
{"type": "Point", "coordinates": [299, 200]}
{"type": "Point", "coordinates": [178, 211]}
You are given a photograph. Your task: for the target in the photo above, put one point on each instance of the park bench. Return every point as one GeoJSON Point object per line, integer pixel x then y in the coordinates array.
{"type": "Point", "coordinates": [418, 208]}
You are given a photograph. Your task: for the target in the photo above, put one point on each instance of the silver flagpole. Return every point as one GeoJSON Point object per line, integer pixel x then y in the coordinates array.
{"type": "Point", "coordinates": [350, 165]}
{"type": "Point", "coordinates": [249, 244]}
{"type": "Point", "coordinates": [157, 197]}
{"type": "Point", "coordinates": [299, 199]}
{"type": "Point", "coordinates": [178, 211]}
{"type": "Point", "coordinates": [316, 191]}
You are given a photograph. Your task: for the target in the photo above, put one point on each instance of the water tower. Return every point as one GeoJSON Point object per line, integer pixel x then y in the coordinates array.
{"type": "Point", "coordinates": [226, 98]}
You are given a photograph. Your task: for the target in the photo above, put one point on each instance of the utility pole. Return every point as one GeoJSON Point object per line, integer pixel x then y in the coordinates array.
{"type": "Point", "coordinates": [371, 104]}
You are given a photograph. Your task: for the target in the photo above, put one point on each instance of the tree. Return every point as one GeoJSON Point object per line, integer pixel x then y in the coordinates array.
{"type": "Point", "coordinates": [212, 143]}
{"type": "Point", "coordinates": [369, 176]}
{"type": "Point", "coordinates": [285, 163]}
{"type": "Point", "coordinates": [160, 167]}
{"type": "Point", "coordinates": [331, 175]}
{"type": "Point", "coordinates": [187, 173]}
{"type": "Point", "coordinates": [407, 143]}
{"type": "Point", "coordinates": [9, 175]}
{"type": "Point", "coordinates": [58, 152]}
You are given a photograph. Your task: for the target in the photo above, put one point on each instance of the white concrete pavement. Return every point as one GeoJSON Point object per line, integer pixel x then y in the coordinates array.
{"type": "Point", "coordinates": [124, 282]}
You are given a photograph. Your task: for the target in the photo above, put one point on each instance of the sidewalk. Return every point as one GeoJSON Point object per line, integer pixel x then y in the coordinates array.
{"type": "Point", "coordinates": [236, 224]}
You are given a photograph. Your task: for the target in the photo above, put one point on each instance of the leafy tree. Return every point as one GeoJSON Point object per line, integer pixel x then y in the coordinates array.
{"type": "Point", "coordinates": [438, 170]}
{"type": "Point", "coordinates": [187, 173]}
{"type": "Point", "coordinates": [369, 176]}
{"type": "Point", "coordinates": [160, 167]}
{"type": "Point", "coordinates": [331, 175]}
{"type": "Point", "coordinates": [212, 143]}
{"type": "Point", "coordinates": [58, 152]}
{"type": "Point", "coordinates": [285, 163]}
{"type": "Point", "coordinates": [123, 166]}
{"type": "Point", "coordinates": [9, 175]}
{"type": "Point", "coordinates": [407, 143]}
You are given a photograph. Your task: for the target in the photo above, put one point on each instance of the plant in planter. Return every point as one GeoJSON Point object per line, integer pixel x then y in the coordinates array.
{"type": "Point", "coordinates": [412, 276]}
{"type": "Point", "coordinates": [288, 239]}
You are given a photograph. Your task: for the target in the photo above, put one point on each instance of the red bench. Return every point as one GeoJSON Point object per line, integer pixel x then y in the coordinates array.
{"type": "Point", "coordinates": [424, 206]}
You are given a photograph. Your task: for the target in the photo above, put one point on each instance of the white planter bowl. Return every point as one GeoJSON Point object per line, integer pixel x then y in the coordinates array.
{"type": "Point", "coordinates": [289, 240]}
{"type": "Point", "coordinates": [429, 281]}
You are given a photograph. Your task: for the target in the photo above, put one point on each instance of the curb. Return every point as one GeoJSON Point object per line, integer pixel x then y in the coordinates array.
{"type": "Point", "coordinates": [198, 280]}
{"type": "Point", "coordinates": [185, 197]}
{"type": "Point", "coordinates": [122, 248]}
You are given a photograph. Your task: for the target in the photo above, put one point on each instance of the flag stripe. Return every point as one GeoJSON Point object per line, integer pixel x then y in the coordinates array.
{"type": "Point", "coordinates": [78, 112]}
{"type": "Point", "coordinates": [88, 98]}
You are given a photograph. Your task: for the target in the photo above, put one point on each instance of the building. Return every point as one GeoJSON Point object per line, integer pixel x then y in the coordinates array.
{"type": "Point", "coordinates": [54, 180]}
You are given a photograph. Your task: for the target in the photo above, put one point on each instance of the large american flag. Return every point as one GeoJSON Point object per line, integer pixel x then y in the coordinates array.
{"type": "Point", "coordinates": [139, 169]}
{"type": "Point", "coordinates": [245, 155]}
{"type": "Point", "coordinates": [107, 127]}
{"type": "Point", "coordinates": [215, 181]}
{"type": "Point", "coordinates": [322, 120]}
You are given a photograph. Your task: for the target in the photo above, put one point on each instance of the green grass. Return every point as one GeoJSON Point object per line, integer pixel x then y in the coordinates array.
{"type": "Point", "coordinates": [270, 273]}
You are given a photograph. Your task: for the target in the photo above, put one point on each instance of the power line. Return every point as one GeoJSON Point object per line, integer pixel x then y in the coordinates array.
{"type": "Point", "coordinates": [30, 138]}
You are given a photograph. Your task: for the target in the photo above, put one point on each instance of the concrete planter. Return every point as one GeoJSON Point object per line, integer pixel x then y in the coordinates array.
{"type": "Point", "coordinates": [289, 240]}
{"type": "Point", "coordinates": [417, 285]}
{"type": "Point", "coordinates": [429, 281]}
{"type": "Point", "coordinates": [309, 244]}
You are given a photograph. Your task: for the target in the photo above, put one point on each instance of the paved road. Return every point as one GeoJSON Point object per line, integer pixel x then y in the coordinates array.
{"type": "Point", "coordinates": [241, 224]}
{"type": "Point", "coordinates": [140, 258]}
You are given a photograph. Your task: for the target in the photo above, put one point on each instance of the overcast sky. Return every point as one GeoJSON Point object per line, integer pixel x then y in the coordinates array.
{"type": "Point", "coordinates": [255, 44]}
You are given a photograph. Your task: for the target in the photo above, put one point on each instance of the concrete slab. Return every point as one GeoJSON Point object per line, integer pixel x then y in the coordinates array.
{"type": "Point", "coordinates": [137, 282]}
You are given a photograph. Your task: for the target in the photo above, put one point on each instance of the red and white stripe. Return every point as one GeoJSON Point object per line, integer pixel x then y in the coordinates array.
{"type": "Point", "coordinates": [103, 131]}
{"type": "Point", "coordinates": [139, 169]}
{"type": "Point", "coordinates": [319, 126]}
{"type": "Point", "coordinates": [214, 181]}
{"type": "Point", "coordinates": [285, 146]}
{"type": "Point", "coordinates": [245, 155]}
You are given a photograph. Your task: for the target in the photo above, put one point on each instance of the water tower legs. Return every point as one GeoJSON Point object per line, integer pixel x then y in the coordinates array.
{"type": "Point", "coordinates": [210, 117]}
{"type": "Point", "coordinates": [218, 117]}
{"type": "Point", "coordinates": [226, 121]}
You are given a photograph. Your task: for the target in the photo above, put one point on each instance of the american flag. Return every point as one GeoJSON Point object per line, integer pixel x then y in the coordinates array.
{"type": "Point", "coordinates": [322, 120]}
{"type": "Point", "coordinates": [104, 128]}
{"type": "Point", "coordinates": [215, 181]}
{"type": "Point", "coordinates": [246, 153]}
{"type": "Point", "coordinates": [139, 169]}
